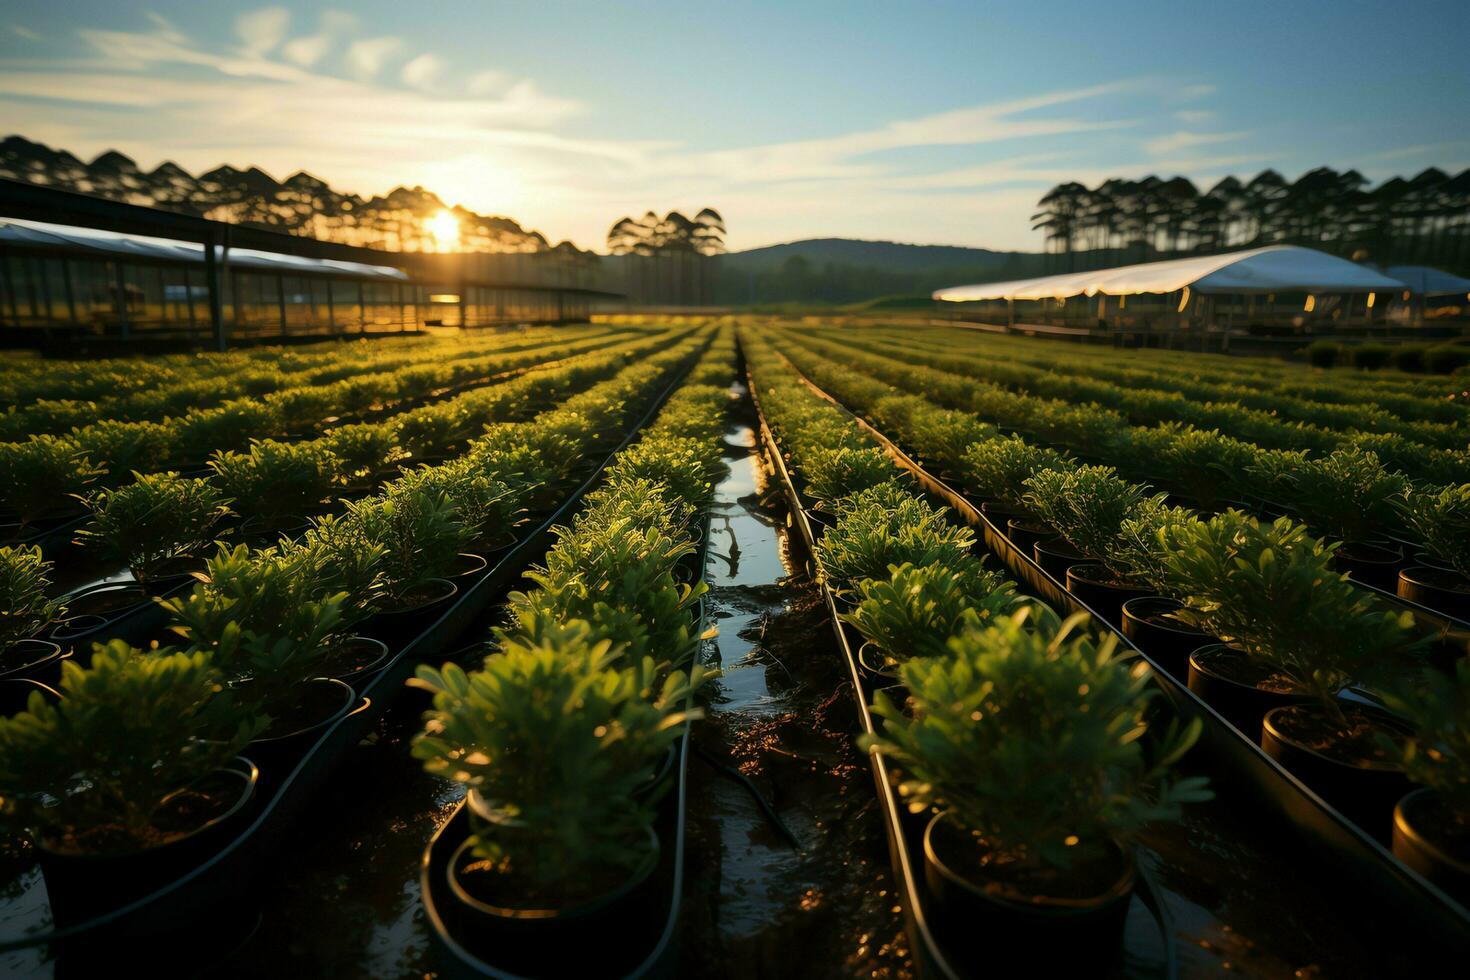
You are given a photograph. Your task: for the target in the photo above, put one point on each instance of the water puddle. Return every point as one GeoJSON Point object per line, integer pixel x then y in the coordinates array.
{"type": "Point", "coordinates": [781, 715]}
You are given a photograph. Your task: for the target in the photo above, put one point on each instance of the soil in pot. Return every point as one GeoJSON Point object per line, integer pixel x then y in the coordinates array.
{"type": "Point", "coordinates": [93, 872]}
{"type": "Point", "coordinates": [996, 913]}
{"type": "Point", "coordinates": [1239, 688]}
{"type": "Point", "coordinates": [1024, 532]}
{"type": "Point", "coordinates": [109, 601]}
{"type": "Point", "coordinates": [1434, 840]}
{"type": "Point", "coordinates": [466, 565]}
{"type": "Point", "coordinates": [519, 925]}
{"type": "Point", "coordinates": [354, 659]}
{"type": "Point", "coordinates": [1370, 564]}
{"type": "Point", "coordinates": [1149, 622]}
{"type": "Point", "coordinates": [1000, 514]}
{"type": "Point", "coordinates": [297, 723]}
{"type": "Point", "coordinates": [404, 617]}
{"type": "Point", "coordinates": [1056, 555]}
{"type": "Point", "coordinates": [1441, 589]}
{"type": "Point", "coordinates": [1101, 591]}
{"type": "Point", "coordinates": [1344, 761]}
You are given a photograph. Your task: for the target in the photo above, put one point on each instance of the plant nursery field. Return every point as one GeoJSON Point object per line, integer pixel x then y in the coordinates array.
{"type": "Point", "coordinates": [729, 648]}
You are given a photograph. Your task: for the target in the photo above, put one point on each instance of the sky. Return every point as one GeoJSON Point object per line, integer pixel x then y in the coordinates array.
{"type": "Point", "coordinates": [927, 122]}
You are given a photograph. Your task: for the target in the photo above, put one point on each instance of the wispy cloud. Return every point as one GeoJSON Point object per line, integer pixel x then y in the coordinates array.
{"type": "Point", "coordinates": [423, 72]}
{"type": "Point", "coordinates": [20, 30]}
{"type": "Point", "coordinates": [368, 112]}
{"type": "Point", "coordinates": [307, 51]}
{"type": "Point", "coordinates": [367, 56]}
{"type": "Point", "coordinates": [260, 31]}
{"type": "Point", "coordinates": [1185, 140]}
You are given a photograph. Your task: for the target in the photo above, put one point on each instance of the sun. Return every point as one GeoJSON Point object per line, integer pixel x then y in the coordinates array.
{"type": "Point", "coordinates": [444, 227]}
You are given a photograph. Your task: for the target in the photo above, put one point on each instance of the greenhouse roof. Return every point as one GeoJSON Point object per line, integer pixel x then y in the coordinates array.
{"type": "Point", "coordinates": [1273, 269]}
{"type": "Point", "coordinates": [73, 238]}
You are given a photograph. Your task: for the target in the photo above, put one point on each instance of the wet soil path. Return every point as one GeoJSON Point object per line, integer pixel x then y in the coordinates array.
{"type": "Point", "coordinates": [782, 715]}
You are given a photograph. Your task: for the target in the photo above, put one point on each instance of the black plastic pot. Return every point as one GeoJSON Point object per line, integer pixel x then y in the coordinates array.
{"type": "Point", "coordinates": [396, 626]}
{"type": "Point", "coordinates": [1000, 514]}
{"type": "Point", "coordinates": [110, 602]}
{"type": "Point", "coordinates": [1056, 555]}
{"type": "Point", "coordinates": [360, 658]}
{"type": "Point", "coordinates": [1370, 564]}
{"type": "Point", "coordinates": [73, 628]}
{"type": "Point", "coordinates": [1024, 532]}
{"type": "Point", "coordinates": [1219, 674]}
{"type": "Point", "coordinates": [270, 529]}
{"type": "Point", "coordinates": [1419, 842]}
{"type": "Point", "coordinates": [1167, 641]}
{"type": "Point", "coordinates": [325, 700]}
{"type": "Point", "coordinates": [663, 776]}
{"type": "Point", "coordinates": [1045, 936]}
{"type": "Point", "coordinates": [546, 941]}
{"type": "Point", "coordinates": [31, 658]}
{"type": "Point", "coordinates": [1365, 791]}
{"type": "Point", "coordinates": [1440, 589]}
{"type": "Point", "coordinates": [1102, 591]}
{"type": "Point", "coordinates": [81, 886]}
{"type": "Point", "coordinates": [466, 567]}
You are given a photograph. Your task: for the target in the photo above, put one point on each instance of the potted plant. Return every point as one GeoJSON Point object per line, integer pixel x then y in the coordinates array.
{"type": "Point", "coordinates": [276, 484]}
{"type": "Point", "coordinates": [127, 448]}
{"type": "Point", "coordinates": [1431, 825]}
{"type": "Point", "coordinates": [487, 508]}
{"type": "Point", "coordinates": [363, 452]}
{"type": "Point", "coordinates": [420, 541]}
{"type": "Point", "coordinates": [1350, 496]}
{"type": "Point", "coordinates": [1153, 622]}
{"type": "Point", "coordinates": [619, 578]}
{"type": "Point", "coordinates": [1298, 633]}
{"type": "Point", "coordinates": [834, 473]}
{"type": "Point", "coordinates": [553, 743]}
{"type": "Point", "coordinates": [126, 781]}
{"type": "Point", "coordinates": [230, 427]}
{"type": "Point", "coordinates": [25, 611]}
{"type": "Point", "coordinates": [1025, 742]}
{"type": "Point", "coordinates": [915, 611]}
{"type": "Point", "coordinates": [885, 526]}
{"type": "Point", "coordinates": [997, 470]}
{"type": "Point", "coordinates": [1088, 505]}
{"type": "Point", "coordinates": [1442, 522]}
{"type": "Point", "coordinates": [155, 525]}
{"type": "Point", "coordinates": [265, 618]}
{"type": "Point", "coordinates": [44, 477]}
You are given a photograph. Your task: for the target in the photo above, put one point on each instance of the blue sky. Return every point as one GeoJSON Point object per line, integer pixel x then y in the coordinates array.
{"type": "Point", "coordinates": [924, 122]}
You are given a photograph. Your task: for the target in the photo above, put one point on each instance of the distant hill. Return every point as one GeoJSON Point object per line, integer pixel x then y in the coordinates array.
{"type": "Point", "coordinates": [895, 256]}
{"type": "Point", "coordinates": [847, 270]}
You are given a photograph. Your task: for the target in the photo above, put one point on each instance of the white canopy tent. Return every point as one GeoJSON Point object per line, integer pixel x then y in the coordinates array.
{"type": "Point", "coordinates": [1426, 280]}
{"type": "Point", "coordinates": [1273, 269]}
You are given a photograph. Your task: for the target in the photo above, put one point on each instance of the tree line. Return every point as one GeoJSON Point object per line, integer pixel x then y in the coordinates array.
{"type": "Point", "coordinates": [704, 234]}
{"type": "Point", "coordinates": [1423, 219]}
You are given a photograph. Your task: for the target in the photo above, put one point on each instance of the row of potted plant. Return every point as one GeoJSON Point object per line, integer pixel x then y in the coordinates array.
{"type": "Point", "coordinates": [137, 390]}
{"type": "Point", "coordinates": [1400, 536]}
{"type": "Point", "coordinates": [267, 647]}
{"type": "Point", "coordinates": [52, 475]}
{"type": "Point", "coordinates": [1020, 739]}
{"type": "Point", "coordinates": [565, 736]}
{"type": "Point", "coordinates": [122, 447]}
{"type": "Point", "coordinates": [1345, 402]}
{"type": "Point", "coordinates": [1294, 635]}
{"type": "Point", "coordinates": [1433, 457]}
{"type": "Point", "coordinates": [1370, 404]}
